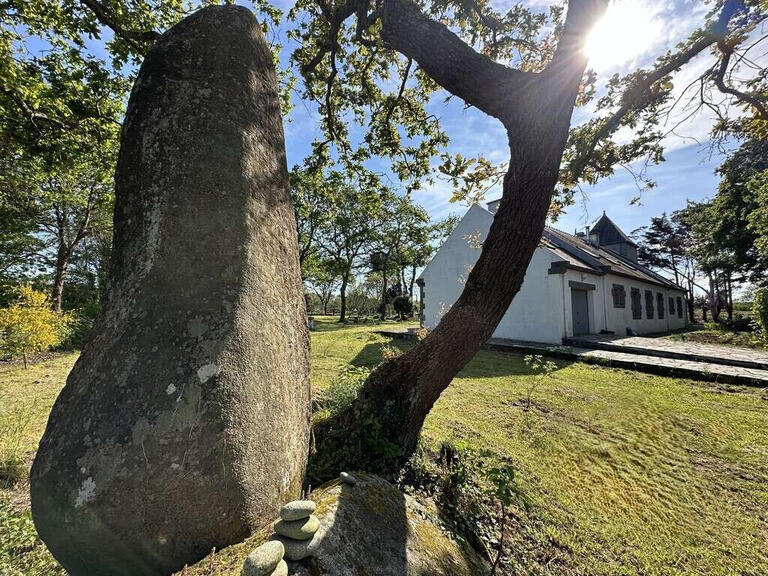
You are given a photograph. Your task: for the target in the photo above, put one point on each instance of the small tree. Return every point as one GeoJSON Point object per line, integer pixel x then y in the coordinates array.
{"type": "Point", "coordinates": [403, 305]}
{"type": "Point", "coordinates": [543, 369]}
{"type": "Point", "coordinates": [30, 326]}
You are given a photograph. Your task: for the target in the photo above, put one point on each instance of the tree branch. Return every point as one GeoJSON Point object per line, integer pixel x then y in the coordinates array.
{"type": "Point", "coordinates": [569, 59]}
{"type": "Point", "coordinates": [29, 112]}
{"type": "Point", "coordinates": [635, 95]}
{"type": "Point", "coordinates": [719, 78]}
{"type": "Point", "coordinates": [400, 92]}
{"type": "Point", "coordinates": [449, 61]}
{"type": "Point", "coordinates": [137, 40]}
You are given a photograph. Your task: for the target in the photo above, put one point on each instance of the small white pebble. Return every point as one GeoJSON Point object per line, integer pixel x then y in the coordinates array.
{"type": "Point", "coordinates": [348, 478]}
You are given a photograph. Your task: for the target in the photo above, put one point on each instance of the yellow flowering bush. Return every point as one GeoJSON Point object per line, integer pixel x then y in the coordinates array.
{"type": "Point", "coordinates": [30, 326]}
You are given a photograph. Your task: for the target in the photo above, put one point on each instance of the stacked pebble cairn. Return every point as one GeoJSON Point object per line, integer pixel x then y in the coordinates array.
{"type": "Point", "coordinates": [294, 533]}
{"type": "Point", "coordinates": [296, 528]}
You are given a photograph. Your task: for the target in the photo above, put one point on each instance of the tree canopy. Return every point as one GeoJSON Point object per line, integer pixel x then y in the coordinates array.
{"type": "Point", "coordinates": [357, 69]}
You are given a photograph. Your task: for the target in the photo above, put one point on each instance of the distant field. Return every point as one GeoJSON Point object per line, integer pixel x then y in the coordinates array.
{"type": "Point", "coordinates": [628, 473]}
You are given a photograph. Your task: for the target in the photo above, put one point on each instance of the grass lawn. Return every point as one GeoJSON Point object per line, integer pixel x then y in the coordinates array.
{"type": "Point", "coordinates": [627, 473]}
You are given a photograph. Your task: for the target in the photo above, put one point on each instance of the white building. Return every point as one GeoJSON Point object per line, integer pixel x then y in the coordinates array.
{"type": "Point", "coordinates": [574, 285]}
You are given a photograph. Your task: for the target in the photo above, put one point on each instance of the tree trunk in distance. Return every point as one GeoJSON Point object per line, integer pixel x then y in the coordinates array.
{"type": "Point", "coordinates": [343, 298]}
{"type": "Point", "coordinates": [60, 275]}
{"type": "Point", "coordinates": [383, 310]}
{"type": "Point", "coordinates": [184, 424]}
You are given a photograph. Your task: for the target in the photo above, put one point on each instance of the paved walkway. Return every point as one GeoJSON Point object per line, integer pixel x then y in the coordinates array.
{"type": "Point", "coordinates": [683, 368]}
{"type": "Point", "coordinates": [668, 348]}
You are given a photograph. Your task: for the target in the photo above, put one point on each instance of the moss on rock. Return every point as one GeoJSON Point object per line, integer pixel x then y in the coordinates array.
{"type": "Point", "coordinates": [370, 528]}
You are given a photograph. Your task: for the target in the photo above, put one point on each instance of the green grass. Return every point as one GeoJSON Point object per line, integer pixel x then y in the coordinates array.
{"type": "Point", "coordinates": [722, 336]}
{"type": "Point", "coordinates": [335, 345]}
{"type": "Point", "coordinates": [26, 397]}
{"type": "Point", "coordinates": [627, 473]}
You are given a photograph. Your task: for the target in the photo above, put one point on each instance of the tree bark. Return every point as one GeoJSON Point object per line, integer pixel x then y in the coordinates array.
{"type": "Point", "coordinates": [536, 111]}
{"type": "Point", "coordinates": [343, 297]}
{"type": "Point", "coordinates": [714, 296]}
{"type": "Point", "coordinates": [690, 300]}
{"type": "Point", "coordinates": [383, 310]}
{"type": "Point", "coordinates": [60, 275]}
{"type": "Point", "coordinates": [67, 242]}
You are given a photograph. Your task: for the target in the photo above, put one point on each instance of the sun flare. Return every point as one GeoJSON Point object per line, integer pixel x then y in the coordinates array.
{"type": "Point", "coordinates": [628, 28]}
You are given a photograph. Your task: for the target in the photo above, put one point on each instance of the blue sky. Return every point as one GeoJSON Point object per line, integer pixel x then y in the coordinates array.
{"type": "Point", "coordinates": [639, 31]}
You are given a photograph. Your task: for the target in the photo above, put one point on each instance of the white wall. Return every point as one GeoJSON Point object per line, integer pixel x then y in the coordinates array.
{"type": "Point", "coordinates": [604, 316]}
{"type": "Point", "coordinates": [536, 312]}
{"type": "Point", "coordinates": [541, 311]}
{"type": "Point", "coordinates": [444, 276]}
{"type": "Point", "coordinates": [621, 318]}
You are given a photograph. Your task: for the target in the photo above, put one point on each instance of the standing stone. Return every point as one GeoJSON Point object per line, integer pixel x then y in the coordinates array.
{"type": "Point", "coordinates": [185, 422]}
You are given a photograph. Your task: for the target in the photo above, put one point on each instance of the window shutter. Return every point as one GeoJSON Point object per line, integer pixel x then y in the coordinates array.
{"type": "Point", "coordinates": [637, 308]}
{"type": "Point", "coordinates": [619, 296]}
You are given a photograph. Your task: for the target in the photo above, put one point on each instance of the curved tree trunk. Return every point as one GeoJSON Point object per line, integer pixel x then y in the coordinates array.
{"type": "Point", "coordinates": [383, 309]}
{"type": "Point", "coordinates": [383, 426]}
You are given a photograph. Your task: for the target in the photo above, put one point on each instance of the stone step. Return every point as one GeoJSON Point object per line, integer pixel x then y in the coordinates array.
{"type": "Point", "coordinates": [675, 352]}
{"type": "Point", "coordinates": [694, 370]}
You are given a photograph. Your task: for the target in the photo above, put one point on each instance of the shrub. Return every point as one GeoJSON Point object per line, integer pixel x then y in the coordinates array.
{"type": "Point", "coordinates": [389, 352]}
{"type": "Point", "coordinates": [760, 309]}
{"type": "Point", "coordinates": [30, 326]}
{"type": "Point", "coordinates": [473, 495]}
{"type": "Point", "coordinates": [344, 388]}
{"type": "Point", "coordinates": [403, 305]}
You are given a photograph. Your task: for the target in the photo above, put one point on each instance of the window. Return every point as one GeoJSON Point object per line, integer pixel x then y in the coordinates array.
{"type": "Point", "coordinates": [671, 306]}
{"type": "Point", "coordinates": [649, 304]}
{"type": "Point", "coordinates": [637, 309]}
{"type": "Point", "coordinates": [619, 296]}
{"type": "Point", "coordinates": [660, 303]}
{"type": "Point", "coordinates": [679, 307]}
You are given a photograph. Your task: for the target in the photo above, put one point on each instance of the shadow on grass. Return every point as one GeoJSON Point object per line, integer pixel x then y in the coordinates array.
{"type": "Point", "coordinates": [332, 324]}
{"type": "Point", "coordinates": [371, 354]}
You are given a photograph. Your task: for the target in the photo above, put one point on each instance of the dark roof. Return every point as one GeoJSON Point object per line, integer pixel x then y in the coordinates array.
{"type": "Point", "coordinates": [608, 233]}
{"type": "Point", "coordinates": [581, 255]}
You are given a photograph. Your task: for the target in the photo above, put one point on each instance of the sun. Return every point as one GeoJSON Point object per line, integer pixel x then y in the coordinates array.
{"type": "Point", "coordinates": [627, 29]}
